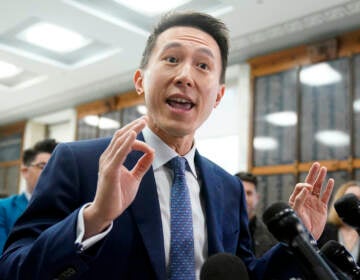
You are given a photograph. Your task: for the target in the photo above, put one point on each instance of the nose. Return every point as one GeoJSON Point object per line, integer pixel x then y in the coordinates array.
{"type": "Point", "coordinates": [184, 77]}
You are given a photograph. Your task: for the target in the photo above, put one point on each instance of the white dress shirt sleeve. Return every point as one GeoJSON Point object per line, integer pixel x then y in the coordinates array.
{"type": "Point", "coordinates": [80, 231]}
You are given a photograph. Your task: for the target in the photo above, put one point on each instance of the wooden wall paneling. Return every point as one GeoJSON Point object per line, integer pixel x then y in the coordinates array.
{"type": "Point", "coordinates": [14, 128]}
{"type": "Point", "coordinates": [96, 107]}
{"type": "Point", "coordinates": [331, 165]}
{"type": "Point", "coordinates": [274, 169]}
{"type": "Point", "coordinates": [349, 43]}
{"type": "Point", "coordinates": [129, 99]}
{"type": "Point", "coordinates": [109, 104]}
{"type": "Point", "coordinates": [279, 61]}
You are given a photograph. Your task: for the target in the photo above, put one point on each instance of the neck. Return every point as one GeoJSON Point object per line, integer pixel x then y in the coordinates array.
{"type": "Point", "coordinates": [180, 144]}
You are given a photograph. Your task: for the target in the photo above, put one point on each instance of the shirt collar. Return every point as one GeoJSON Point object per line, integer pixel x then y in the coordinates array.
{"type": "Point", "coordinates": [163, 153]}
{"type": "Point", "coordinates": [27, 195]}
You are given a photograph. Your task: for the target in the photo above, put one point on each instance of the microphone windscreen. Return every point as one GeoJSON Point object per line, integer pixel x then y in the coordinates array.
{"type": "Point", "coordinates": [272, 212]}
{"type": "Point", "coordinates": [347, 208]}
{"type": "Point", "coordinates": [340, 257]}
{"type": "Point", "coordinates": [330, 247]}
{"type": "Point", "coordinates": [224, 266]}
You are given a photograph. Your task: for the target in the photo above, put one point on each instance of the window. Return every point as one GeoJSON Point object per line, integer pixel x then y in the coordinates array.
{"type": "Point", "coordinates": [306, 108]}
{"type": "Point", "coordinates": [102, 118]}
{"type": "Point", "coordinates": [10, 158]}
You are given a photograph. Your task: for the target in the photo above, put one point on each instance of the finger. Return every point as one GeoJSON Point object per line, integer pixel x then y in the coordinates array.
{"type": "Point", "coordinates": [143, 165]}
{"type": "Point", "coordinates": [328, 190]}
{"type": "Point", "coordinates": [298, 188]}
{"type": "Point", "coordinates": [319, 181]}
{"type": "Point", "coordinates": [299, 200]}
{"type": "Point", "coordinates": [121, 134]}
{"type": "Point", "coordinates": [312, 174]}
{"type": "Point", "coordinates": [111, 151]}
{"type": "Point", "coordinates": [123, 150]}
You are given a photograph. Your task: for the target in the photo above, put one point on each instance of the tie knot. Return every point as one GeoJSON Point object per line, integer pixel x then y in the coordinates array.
{"type": "Point", "coordinates": [178, 165]}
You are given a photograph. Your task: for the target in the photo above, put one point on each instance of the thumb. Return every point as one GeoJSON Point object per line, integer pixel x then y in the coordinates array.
{"type": "Point", "coordinates": [300, 199]}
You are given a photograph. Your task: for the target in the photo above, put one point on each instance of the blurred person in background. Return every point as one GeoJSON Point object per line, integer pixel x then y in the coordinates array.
{"type": "Point", "coordinates": [262, 239]}
{"type": "Point", "coordinates": [336, 229]}
{"type": "Point", "coordinates": [33, 162]}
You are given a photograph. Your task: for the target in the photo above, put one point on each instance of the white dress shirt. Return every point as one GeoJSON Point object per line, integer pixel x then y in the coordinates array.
{"type": "Point", "coordinates": [163, 178]}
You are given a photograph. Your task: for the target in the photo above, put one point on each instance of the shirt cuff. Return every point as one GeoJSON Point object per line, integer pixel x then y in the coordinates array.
{"type": "Point", "coordinates": [80, 231]}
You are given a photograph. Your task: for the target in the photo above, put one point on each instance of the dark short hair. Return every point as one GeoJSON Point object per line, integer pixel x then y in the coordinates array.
{"type": "Point", "coordinates": [207, 23]}
{"type": "Point", "coordinates": [44, 146]}
{"type": "Point", "coordinates": [248, 177]}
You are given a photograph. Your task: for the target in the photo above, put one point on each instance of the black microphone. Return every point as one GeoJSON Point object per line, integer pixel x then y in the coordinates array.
{"type": "Point", "coordinates": [348, 209]}
{"type": "Point", "coordinates": [224, 266]}
{"type": "Point", "coordinates": [340, 257]}
{"type": "Point", "coordinates": [285, 225]}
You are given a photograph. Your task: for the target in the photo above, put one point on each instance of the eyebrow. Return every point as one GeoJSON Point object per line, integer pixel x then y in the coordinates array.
{"type": "Point", "coordinates": [204, 50]}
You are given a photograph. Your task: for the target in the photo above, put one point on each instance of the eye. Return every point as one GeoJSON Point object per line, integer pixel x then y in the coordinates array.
{"type": "Point", "coordinates": [203, 66]}
{"type": "Point", "coordinates": [171, 59]}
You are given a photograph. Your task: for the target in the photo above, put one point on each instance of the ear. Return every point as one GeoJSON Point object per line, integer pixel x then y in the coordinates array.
{"type": "Point", "coordinates": [220, 95]}
{"type": "Point", "coordinates": [23, 170]}
{"type": "Point", "coordinates": [138, 81]}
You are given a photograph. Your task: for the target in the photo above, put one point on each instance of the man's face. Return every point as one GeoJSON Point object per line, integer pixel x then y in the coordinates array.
{"type": "Point", "coordinates": [181, 81]}
{"type": "Point", "coordinates": [32, 172]}
{"type": "Point", "coordinates": [252, 198]}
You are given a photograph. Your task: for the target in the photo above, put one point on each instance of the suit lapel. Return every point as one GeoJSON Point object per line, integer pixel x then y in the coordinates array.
{"type": "Point", "coordinates": [146, 212]}
{"type": "Point", "coordinates": [212, 192]}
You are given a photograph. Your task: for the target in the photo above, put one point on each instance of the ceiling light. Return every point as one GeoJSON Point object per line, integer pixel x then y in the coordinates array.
{"type": "Point", "coordinates": [319, 75]}
{"type": "Point", "coordinates": [8, 70]}
{"type": "Point", "coordinates": [153, 7]}
{"type": "Point", "coordinates": [285, 118]}
{"type": "Point", "coordinates": [141, 109]}
{"type": "Point", "coordinates": [356, 105]}
{"type": "Point", "coordinates": [92, 120]}
{"type": "Point", "coordinates": [333, 138]}
{"type": "Point", "coordinates": [101, 122]}
{"type": "Point", "coordinates": [53, 37]}
{"type": "Point", "coordinates": [265, 143]}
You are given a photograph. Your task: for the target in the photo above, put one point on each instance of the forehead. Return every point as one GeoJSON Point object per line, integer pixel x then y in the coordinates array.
{"type": "Point", "coordinates": [42, 157]}
{"type": "Point", "coordinates": [188, 36]}
{"type": "Point", "coordinates": [248, 186]}
{"type": "Point", "coordinates": [353, 189]}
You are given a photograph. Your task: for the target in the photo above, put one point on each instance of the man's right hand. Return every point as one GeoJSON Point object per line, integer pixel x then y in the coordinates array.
{"type": "Point", "coordinates": [117, 186]}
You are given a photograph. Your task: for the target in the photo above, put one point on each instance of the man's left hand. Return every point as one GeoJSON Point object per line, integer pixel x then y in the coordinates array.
{"type": "Point", "coordinates": [309, 202]}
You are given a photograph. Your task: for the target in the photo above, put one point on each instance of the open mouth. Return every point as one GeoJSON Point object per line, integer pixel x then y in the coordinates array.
{"type": "Point", "coordinates": [180, 103]}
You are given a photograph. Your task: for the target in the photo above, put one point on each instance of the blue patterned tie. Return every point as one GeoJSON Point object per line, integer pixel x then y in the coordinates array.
{"type": "Point", "coordinates": [182, 260]}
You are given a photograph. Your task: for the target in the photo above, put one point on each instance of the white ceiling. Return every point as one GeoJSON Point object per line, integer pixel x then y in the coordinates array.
{"type": "Point", "coordinates": [256, 27]}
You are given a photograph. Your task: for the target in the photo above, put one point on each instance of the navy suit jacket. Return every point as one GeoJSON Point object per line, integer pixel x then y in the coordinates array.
{"type": "Point", "coordinates": [42, 244]}
{"type": "Point", "coordinates": [10, 210]}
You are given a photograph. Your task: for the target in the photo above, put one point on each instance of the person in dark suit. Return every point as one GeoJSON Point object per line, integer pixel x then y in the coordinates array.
{"type": "Point", "coordinates": [103, 207]}
{"type": "Point", "coordinates": [262, 239]}
{"type": "Point", "coordinates": [33, 162]}
{"type": "Point", "coordinates": [336, 229]}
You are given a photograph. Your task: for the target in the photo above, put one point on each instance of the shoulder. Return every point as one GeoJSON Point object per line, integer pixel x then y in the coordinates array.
{"type": "Point", "coordinates": [6, 202]}
{"type": "Point", "coordinates": [82, 148]}
{"type": "Point", "coordinates": [216, 170]}
{"type": "Point", "coordinates": [85, 145]}
{"type": "Point", "coordinates": [9, 199]}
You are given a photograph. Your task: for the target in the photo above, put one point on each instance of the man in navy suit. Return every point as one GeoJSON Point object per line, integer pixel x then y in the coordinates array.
{"type": "Point", "coordinates": [101, 209]}
{"type": "Point", "coordinates": [33, 162]}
